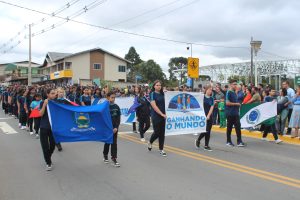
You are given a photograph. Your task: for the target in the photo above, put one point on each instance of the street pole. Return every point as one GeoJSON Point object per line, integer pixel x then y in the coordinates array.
{"type": "Point", "coordinates": [29, 66]}
{"type": "Point", "coordinates": [192, 85]}
{"type": "Point", "coordinates": [251, 69]}
{"type": "Point", "coordinates": [255, 71]}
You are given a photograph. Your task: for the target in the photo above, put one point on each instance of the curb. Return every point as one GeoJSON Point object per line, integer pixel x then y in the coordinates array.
{"type": "Point", "coordinates": [258, 135]}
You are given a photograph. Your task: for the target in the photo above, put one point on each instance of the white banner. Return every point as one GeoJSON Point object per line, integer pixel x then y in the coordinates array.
{"type": "Point", "coordinates": [185, 113]}
{"type": "Point", "coordinates": [125, 103]}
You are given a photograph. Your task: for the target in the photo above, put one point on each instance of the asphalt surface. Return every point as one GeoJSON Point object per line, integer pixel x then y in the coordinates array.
{"type": "Point", "coordinates": [262, 170]}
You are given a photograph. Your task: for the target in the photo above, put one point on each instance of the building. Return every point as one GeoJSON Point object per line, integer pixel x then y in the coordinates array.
{"type": "Point", "coordinates": [86, 67]}
{"type": "Point", "coordinates": [17, 72]}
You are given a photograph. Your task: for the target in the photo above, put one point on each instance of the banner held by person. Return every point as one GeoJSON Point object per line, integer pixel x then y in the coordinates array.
{"type": "Point", "coordinates": [254, 114]}
{"type": "Point", "coordinates": [80, 123]}
{"type": "Point", "coordinates": [127, 107]}
{"type": "Point", "coordinates": [185, 113]}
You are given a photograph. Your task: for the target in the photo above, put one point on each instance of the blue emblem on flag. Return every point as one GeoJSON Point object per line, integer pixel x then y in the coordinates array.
{"type": "Point", "coordinates": [253, 117]}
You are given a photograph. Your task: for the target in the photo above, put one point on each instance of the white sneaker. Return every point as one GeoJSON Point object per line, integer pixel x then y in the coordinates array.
{"type": "Point", "coordinates": [265, 139]}
{"type": "Point", "coordinates": [37, 136]}
{"type": "Point", "coordinates": [143, 140]}
{"type": "Point", "coordinates": [31, 133]}
{"type": "Point", "coordinates": [278, 141]}
{"type": "Point", "coordinates": [48, 167]}
{"type": "Point", "coordinates": [23, 127]}
{"type": "Point", "coordinates": [163, 153]}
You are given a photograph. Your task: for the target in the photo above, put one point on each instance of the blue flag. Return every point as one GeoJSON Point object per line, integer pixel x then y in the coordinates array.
{"type": "Point", "coordinates": [80, 123]}
{"type": "Point", "coordinates": [135, 105]}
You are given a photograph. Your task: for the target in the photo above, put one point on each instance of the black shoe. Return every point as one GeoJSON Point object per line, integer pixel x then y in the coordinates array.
{"type": "Point", "coordinates": [59, 148]}
{"type": "Point", "coordinates": [115, 162]}
{"type": "Point", "coordinates": [105, 159]}
{"type": "Point", "coordinates": [197, 144]}
{"type": "Point", "coordinates": [207, 148]}
{"type": "Point", "coordinates": [149, 146]}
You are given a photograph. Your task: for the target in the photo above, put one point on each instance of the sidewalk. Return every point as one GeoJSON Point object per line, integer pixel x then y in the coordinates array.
{"type": "Point", "coordinates": [257, 134]}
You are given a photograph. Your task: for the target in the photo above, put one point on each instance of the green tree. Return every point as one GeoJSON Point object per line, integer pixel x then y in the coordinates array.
{"type": "Point", "coordinates": [150, 71]}
{"type": "Point", "coordinates": [176, 63]}
{"type": "Point", "coordinates": [134, 57]}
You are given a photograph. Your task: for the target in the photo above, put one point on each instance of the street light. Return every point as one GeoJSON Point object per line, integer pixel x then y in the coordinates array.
{"type": "Point", "coordinates": [255, 47]}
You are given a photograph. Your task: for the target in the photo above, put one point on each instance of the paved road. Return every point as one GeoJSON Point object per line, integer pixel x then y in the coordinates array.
{"type": "Point", "coordinates": [262, 170]}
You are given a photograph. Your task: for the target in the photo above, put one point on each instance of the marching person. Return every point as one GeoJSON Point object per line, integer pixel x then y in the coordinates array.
{"type": "Point", "coordinates": [232, 114]}
{"type": "Point", "coordinates": [158, 116]}
{"type": "Point", "coordinates": [46, 136]}
{"type": "Point", "coordinates": [208, 109]}
{"type": "Point", "coordinates": [115, 113]}
{"type": "Point", "coordinates": [290, 95]}
{"type": "Point", "coordinates": [35, 104]}
{"type": "Point", "coordinates": [22, 109]}
{"type": "Point", "coordinates": [143, 113]}
{"type": "Point", "coordinates": [269, 125]}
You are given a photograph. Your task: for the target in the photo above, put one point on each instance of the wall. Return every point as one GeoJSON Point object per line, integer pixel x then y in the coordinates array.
{"type": "Point", "coordinates": [80, 66]}
{"type": "Point", "coordinates": [111, 72]}
{"type": "Point", "coordinates": [97, 57]}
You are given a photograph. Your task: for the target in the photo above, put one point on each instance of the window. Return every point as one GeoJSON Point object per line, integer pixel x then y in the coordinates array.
{"type": "Point", "coordinates": [68, 65]}
{"type": "Point", "coordinates": [122, 68]}
{"type": "Point", "coordinates": [60, 66]}
{"type": "Point", "coordinates": [97, 66]}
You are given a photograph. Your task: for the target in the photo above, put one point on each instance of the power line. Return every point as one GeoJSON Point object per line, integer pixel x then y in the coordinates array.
{"type": "Point", "coordinates": [125, 32]}
{"type": "Point", "coordinates": [65, 19]}
{"type": "Point", "coordinates": [37, 22]}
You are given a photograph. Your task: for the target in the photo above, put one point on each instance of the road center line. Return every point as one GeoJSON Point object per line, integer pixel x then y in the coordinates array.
{"type": "Point", "coordinates": [226, 164]}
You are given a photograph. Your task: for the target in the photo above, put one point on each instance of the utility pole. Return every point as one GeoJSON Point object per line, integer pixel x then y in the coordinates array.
{"type": "Point", "coordinates": [251, 73]}
{"type": "Point", "coordinates": [29, 66]}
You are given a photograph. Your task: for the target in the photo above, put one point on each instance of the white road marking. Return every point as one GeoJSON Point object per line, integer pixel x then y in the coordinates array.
{"type": "Point", "coordinates": [6, 118]}
{"type": "Point", "coordinates": [130, 132]}
{"type": "Point", "coordinates": [7, 129]}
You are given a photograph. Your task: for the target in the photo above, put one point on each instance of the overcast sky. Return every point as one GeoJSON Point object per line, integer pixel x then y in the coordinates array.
{"type": "Point", "coordinates": [214, 22]}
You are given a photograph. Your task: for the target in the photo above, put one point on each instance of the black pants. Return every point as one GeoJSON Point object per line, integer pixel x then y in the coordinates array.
{"type": "Point", "coordinates": [133, 126]}
{"type": "Point", "coordinates": [48, 144]}
{"type": "Point", "coordinates": [30, 122]}
{"type": "Point", "coordinates": [234, 120]}
{"type": "Point", "coordinates": [114, 147]}
{"type": "Point", "coordinates": [289, 118]}
{"type": "Point", "coordinates": [144, 125]}
{"type": "Point", "coordinates": [159, 132]}
{"type": "Point", "coordinates": [23, 118]}
{"type": "Point", "coordinates": [270, 128]}
{"type": "Point", "coordinates": [37, 122]}
{"type": "Point", "coordinates": [207, 133]}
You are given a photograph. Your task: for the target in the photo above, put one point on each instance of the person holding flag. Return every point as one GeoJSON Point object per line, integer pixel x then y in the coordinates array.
{"type": "Point", "coordinates": [46, 136]}
{"type": "Point", "coordinates": [158, 116]}
{"type": "Point", "coordinates": [115, 113]}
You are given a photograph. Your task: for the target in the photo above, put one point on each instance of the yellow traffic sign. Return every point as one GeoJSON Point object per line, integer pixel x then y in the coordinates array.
{"type": "Point", "coordinates": [193, 67]}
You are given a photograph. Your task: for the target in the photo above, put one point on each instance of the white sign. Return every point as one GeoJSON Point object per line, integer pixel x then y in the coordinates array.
{"type": "Point", "coordinates": [125, 103]}
{"type": "Point", "coordinates": [185, 113]}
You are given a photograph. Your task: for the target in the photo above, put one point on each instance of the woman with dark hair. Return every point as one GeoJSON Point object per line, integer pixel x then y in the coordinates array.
{"type": "Point", "coordinates": [29, 99]}
{"type": "Point", "coordinates": [158, 116]}
{"type": "Point", "coordinates": [142, 112]}
{"type": "Point", "coordinates": [46, 136]}
{"type": "Point", "coordinates": [248, 96]}
{"type": "Point", "coordinates": [208, 109]}
{"type": "Point", "coordinates": [22, 109]}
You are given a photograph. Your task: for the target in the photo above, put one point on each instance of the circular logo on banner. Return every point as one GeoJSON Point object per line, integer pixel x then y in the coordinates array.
{"type": "Point", "coordinates": [253, 117]}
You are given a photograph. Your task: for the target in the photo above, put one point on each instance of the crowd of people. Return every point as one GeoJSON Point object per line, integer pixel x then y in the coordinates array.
{"type": "Point", "coordinates": [221, 106]}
